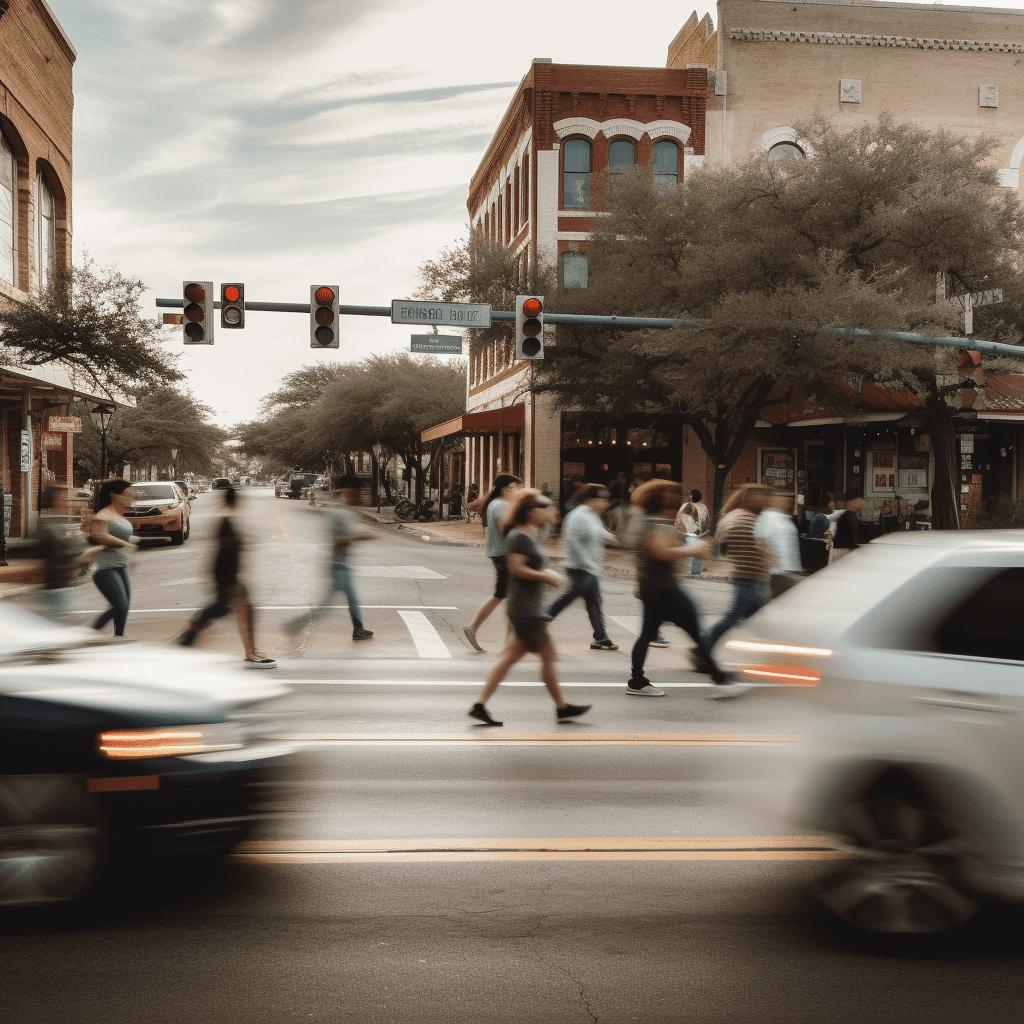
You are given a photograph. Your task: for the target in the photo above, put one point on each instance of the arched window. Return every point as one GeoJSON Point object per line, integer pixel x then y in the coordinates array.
{"type": "Point", "coordinates": [621, 155]}
{"type": "Point", "coordinates": [576, 179]}
{"type": "Point", "coordinates": [785, 151]}
{"type": "Point", "coordinates": [8, 210]}
{"type": "Point", "coordinates": [666, 165]}
{"type": "Point", "coordinates": [45, 229]}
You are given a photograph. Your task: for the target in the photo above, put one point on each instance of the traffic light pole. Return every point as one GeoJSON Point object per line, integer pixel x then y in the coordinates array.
{"type": "Point", "coordinates": [992, 348]}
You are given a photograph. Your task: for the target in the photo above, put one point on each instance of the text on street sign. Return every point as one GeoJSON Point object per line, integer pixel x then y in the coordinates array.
{"type": "Point", "coordinates": [449, 314]}
{"type": "Point", "coordinates": [439, 344]}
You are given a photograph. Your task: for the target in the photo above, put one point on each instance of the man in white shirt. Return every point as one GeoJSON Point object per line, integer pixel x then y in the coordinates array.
{"type": "Point", "coordinates": [584, 538]}
{"type": "Point", "coordinates": [775, 527]}
{"type": "Point", "coordinates": [703, 525]}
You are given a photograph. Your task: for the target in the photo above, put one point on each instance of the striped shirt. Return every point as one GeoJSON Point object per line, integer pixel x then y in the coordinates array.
{"type": "Point", "coordinates": [735, 537]}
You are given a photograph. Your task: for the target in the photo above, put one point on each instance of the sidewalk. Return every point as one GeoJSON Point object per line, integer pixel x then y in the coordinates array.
{"type": "Point", "coordinates": [459, 533]}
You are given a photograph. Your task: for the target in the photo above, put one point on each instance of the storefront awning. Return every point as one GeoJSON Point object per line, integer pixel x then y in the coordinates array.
{"type": "Point", "coordinates": [510, 420]}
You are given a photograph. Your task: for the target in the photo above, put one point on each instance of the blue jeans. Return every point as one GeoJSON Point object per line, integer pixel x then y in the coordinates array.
{"type": "Point", "coordinates": [670, 605]}
{"type": "Point", "coordinates": [342, 581]}
{"type": "Point", "coordinates": [694, 566]}
{"type": "Point", "coordinates": [115, 585]}
{"type": "Point", "coordinates": [586, 585]}
{"type": "Point", "coordinates": [747, 597]}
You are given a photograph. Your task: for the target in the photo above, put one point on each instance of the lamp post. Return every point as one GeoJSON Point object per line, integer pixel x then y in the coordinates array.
{"type": "Point", "coordinates": [101, 415]}
{"type": "Point", "coordinates": [377, 449]}
{"type": "Point", "coordinates": [174, 463]}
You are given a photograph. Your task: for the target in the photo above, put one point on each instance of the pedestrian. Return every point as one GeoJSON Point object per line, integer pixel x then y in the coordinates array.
{"type": "Point", "coordinates": [686, 523]}
{"type": "Point", "coordinates": [115, 537]}
{"type": "Point", "coordinates": [231, 592]}
{"type": "Point", "coordinates": [703, 525]}
{"type": "Point", "coordinates": [775, 527]}
{"type": "Point", "coordinates": [66, 557]}
{"type": "Point", "coordinates": [659, 548]}
{"type": "Point", "coordinates": [585, 538]}
{"type": "Point", "coordinates": [492, 513]}
{"type": "Point", "coordinates": [618, 487]}
{"type": "Point", "coordinates": [747, 554]}
{"type": "Point", "coordinates": [345, 529]}
{"type": "Point", "coordinates": [847, 529]}
{"type": "Point", "coordinates": [528, 517]}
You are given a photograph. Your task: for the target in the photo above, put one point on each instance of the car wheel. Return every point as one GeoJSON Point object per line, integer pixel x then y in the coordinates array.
{"type": "Point", "coordinates": [51, 843]}
{"type": "Point", "coordinates": [910, 871]}
{"type": "Point", "coordinates": [178, 536]}
{"type": "Point", "coordinates": [188, 528]}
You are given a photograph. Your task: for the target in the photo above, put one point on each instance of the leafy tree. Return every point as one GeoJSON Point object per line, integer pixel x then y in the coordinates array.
{"type": "Point", "coordinates": [89, 320]}
{"type": "Point", "coordinates": [767, 258]}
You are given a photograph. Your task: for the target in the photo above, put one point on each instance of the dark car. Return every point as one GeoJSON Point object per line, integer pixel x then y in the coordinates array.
{"type": "Point", "coordinates": [293, 484]}
{"type": "Point", "coordinates": [102, 758]}
{"type": "Point", "coordinates": [220, 483]}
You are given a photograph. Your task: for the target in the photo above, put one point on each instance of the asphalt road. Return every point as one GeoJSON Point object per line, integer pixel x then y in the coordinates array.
{"type": "Point", "coordinates": [637, 865]}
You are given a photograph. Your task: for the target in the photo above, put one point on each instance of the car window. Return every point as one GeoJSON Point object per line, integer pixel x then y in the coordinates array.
{"type": "Point", "coordinates": [990, 622]}
{"type": "Point", "coordinates": [153, 492]}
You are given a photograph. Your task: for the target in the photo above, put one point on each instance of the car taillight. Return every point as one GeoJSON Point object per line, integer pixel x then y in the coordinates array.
{"type": "Point", "coordinates": [169, 742]}
{"type": "Point", "coordinates": [791, 675]}
{"type": "Point", "coordinates": [763, 647]}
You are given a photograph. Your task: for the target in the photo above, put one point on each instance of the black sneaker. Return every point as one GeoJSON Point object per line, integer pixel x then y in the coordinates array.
{"type": "Point", "coordinates": [481, 714]}
{"type": "Point", "coordinates": [603, 645]}
{"type": "Point", "coordinates": [361, 634]}
{"type": "Point", "coordinates": [572, 711]}
{"type": "Point", "coordinates": [187, 637]}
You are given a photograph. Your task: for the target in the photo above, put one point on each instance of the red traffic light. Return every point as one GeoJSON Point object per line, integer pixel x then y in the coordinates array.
{"type": "Point", "coordinates": [231, 293]}
{"type": "Point", "coordinates": [324, 296]}
{"type": "Point", "coordinates": [195, 293]}
{"type": "Point", "coordinates": [533, 307]}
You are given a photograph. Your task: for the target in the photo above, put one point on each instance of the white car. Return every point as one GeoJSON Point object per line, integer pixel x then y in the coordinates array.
{"type": "Point", "coordinates": [904, 662]}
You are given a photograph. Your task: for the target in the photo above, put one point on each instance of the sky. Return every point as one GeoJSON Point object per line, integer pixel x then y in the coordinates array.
{"type": "Point", "coordinates": [284, 143]}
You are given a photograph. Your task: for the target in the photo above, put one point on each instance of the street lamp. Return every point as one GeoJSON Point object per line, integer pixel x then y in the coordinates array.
{"type": "Point", "coordinates": [174, 463]}
{"type": "Point", "coordinates": [377, 449]}
{"type": "Point", "coordinates": [101, 415]}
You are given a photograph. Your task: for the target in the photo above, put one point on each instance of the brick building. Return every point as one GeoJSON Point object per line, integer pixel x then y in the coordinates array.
{"type": "Point", "coordinates": [725, 94]}
{"type": "Point", "coordinates": [36, 108]}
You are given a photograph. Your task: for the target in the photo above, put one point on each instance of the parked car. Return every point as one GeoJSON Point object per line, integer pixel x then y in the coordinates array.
{"type": "Point", "coordinates": [220, 483]}
{"type": "Point", "coordinates": [293, 484]}
{"type": "Point", "coordinates": [107, 754]}
{"type": "Point", "coordinates": [160, 510]}
{"type": "Point", "coordinates": [906, 660]}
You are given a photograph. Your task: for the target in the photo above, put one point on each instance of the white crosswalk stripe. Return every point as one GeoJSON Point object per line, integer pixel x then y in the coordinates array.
{"type": "Point", "coordinates": [630, 623]}
{"type": "Point", "coordinates": [426, 638]}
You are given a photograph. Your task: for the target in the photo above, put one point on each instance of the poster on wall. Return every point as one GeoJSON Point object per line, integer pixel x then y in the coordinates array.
{"type": "Point", "coordinates": [775, 468]}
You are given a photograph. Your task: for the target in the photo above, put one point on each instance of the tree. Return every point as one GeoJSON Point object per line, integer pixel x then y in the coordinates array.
{"type": "Point", "coordinates": [768, 258]}
{"type": "Point", "coordinates": [89, 320]}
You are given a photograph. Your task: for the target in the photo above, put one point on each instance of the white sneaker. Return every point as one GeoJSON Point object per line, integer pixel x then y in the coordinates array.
{"type": "Point", "coordinates": [727, 691]}
{"type": "Point", "coordinates": [645, 691]}
{"type": "Point", "coordinates": [260, 663]}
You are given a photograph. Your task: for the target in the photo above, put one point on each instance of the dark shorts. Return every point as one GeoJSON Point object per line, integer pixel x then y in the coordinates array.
{"type": "Point", "coordinates": [501, 576]}
{"type": "Point", "coordinates": [532, 632]}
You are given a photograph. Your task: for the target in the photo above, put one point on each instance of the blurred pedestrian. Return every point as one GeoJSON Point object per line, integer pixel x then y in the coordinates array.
{"type": "Point", "coordinates": [65, 554]}
{"type": "Point", "coordinates": [703, 525]}
{"type": "Point", "coordinates": [585, 538]}
{"type": "Point", "coordinates": [748, 556]}
{"type": "Point", "coordinates": [231, 592]}
{"type": "Point", "coordinates": [529, 514]}
{"type": "Point", "coordinates": [775, 527]}
{"type": "Point", "coordinates": [115, 537]}
{"type": "Point", "coordinates": [658, 548]}
{"type": "Point", "coordinates": [346, 529]}
{"type": "Point", "coordinates": [492, 512]}
{"type": "Point", "coordinates": [847, 528]}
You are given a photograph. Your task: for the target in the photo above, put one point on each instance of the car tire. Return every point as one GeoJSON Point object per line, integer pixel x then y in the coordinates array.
{"type": "Point", "coordinates": [910, 869]}
{"type": "Point", "coordinates": [51, 841]}
{"type": "Point", "coordinates": [178, 536]}
{"type": "Point", "coordinates": [188, 528]}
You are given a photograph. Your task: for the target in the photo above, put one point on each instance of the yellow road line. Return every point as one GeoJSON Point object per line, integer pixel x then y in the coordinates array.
{"type": "Point", "coordinates": [547, 739]}
{"type": "Point", "coordinates": [277, 516]}
{"type": "Point", "coordinates": [663, 848]}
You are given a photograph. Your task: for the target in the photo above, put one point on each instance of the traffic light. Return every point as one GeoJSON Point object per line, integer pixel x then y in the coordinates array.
{"type": "Point", "coordinates": [232, 306]}
{"type": "Point", "coordinates": [529, 327]}
{"type": "Point", "coordinates": [323, 315]}
{"type": "Point", "coordinates": [198, 312]}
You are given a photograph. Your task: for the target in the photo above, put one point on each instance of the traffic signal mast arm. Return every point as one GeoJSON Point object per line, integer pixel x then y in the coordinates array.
{"type": "Point", "coordinates": [992, 348]}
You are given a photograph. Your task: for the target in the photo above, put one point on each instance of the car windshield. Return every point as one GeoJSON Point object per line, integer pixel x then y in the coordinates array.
{"type": "Point", "coordinates": [153, 492]}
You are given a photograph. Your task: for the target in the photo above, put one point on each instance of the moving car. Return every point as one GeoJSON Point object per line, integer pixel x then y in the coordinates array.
{"type": "Point", "coordinates": [108, 752]}
{"type": "Point", "coordinates": [160, 510]}
{"type": "Point", "coordinates": [905, 663]}
{"type": "Point", "coordinates": [220, 483]}
{"type": "Point", "coordinates": [293, 484]}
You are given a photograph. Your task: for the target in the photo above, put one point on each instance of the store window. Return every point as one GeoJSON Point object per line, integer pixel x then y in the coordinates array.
{"type": "Point", "coordinates": [666, 165]}
{"type": "Point", "coordinates": [46, 239]}
{"type": "Point", "coordinates": [8, 210]}
{"type": "Point", "coordinates": [576, 178]}
{"type": "Point", "coordinates": [574, 270]}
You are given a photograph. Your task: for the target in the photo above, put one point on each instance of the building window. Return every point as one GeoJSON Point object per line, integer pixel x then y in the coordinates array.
{"type": "Point", "coordinates": [45, 219]}
{"type": "Point", "coordinates": [526, 188]}
{"type": "Point", "coordinates": [576, 180]}
{"type": "Point", "coordinates": [621, 155]}
{"type": "Point", "coordinates": [516, 220]}
{"type": "Point", "coordinates": [574, 270]}
{"type": "Point", "coordinates": [785, 151]}
{"type": "Point", "coordinates": [8, 210]}
{"type": "Point", "coordinates": [666, 165]}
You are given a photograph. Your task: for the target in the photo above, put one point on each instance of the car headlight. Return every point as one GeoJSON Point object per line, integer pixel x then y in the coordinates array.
{"type": "Point", "coordinates": [172, 741]}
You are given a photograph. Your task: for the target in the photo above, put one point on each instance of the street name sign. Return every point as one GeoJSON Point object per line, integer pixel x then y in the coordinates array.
{"type": "Point", "coordinates": [438, 344]}
{"type": "Point", "coordinates": [69, 424]}
{"type": "Point", "coordinates": [446, 314]}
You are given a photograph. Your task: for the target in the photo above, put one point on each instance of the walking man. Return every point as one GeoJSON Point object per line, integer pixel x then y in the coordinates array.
{"type": "Point", "coordinates": [776, 529]}
{"type": "Point", "coordinates": [345, 530]}
{"type": "Point", "coordinates": [230, 591]}
{"type": "Point", "coordinates": [703, 525]}
{"type": "Point", "coordinates": [847, 529]}
{"type": "Point", "coordinates": [585, 537]}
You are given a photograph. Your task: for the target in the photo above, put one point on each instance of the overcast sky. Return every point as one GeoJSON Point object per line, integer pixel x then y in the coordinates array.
{"type": "Point", "coordinates": [286, 143]}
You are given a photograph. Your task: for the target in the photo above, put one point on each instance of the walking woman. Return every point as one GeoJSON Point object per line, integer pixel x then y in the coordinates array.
{"type": "Point", "coordinates": [529, 513]}
{"type": "Point", "coordinates": [115, 536]}
{"type": "Point", "coordinates": [493, 513]}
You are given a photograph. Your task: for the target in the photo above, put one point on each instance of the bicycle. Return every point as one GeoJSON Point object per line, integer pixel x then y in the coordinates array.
{"type": "Point", "coordinates": [408, 511]}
